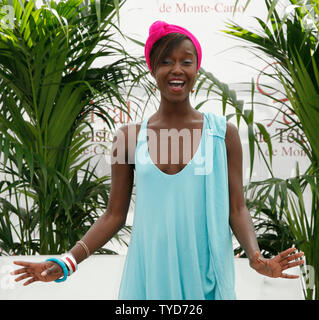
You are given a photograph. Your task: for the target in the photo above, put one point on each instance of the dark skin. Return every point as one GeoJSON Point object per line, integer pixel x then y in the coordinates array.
{"type": "Point", "coordinates": [175, 111]}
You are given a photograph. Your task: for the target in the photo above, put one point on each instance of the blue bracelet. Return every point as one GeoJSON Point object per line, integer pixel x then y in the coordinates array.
{"type": "Point", "coordinates": [63, 266]}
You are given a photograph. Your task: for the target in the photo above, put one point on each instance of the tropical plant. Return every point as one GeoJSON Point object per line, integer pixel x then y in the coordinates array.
{"type": "Point", "coordinates": [266, 200]}
{"type": "Point", "coordinates": [50, 194]}
{"type": "Point", "coordinates": [216, 90]}
{"type": "Point", "coordinates": [290, 43]}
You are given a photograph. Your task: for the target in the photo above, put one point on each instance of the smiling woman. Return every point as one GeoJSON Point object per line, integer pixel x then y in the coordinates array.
{"type": "Point", "coordinates": [181, 245]}
{"type": "Point", "coordinates": [175, 71]}
{"type": "Point", "coordinates": [181, 242]}
{"type": "Point", "coordinates": [173, 59]}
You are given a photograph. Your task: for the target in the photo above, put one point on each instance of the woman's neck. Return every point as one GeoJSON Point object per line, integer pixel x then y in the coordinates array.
{"type": "Point", "coordinates": [171, 110]}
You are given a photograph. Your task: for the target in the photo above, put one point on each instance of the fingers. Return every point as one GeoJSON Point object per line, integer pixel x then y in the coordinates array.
{"type": "Point", "coordinates": [30, 281]}
{"type": "Point", "coordinates": [286, 257]}
{"type": "Point", "coordinates": [289, 276]}
{"type": "Point", "coordinates": [293, 264]}
{"type": "Point", "coordinates": [23, 263]}
{"type": "Point", "coordinates": [284, 254]}
{"type": "Point", "coordinates": [294, 256]}
{"type": "Point", "coordinates": [285, 262]}
{"type": "Point", "coordinates": [26, 269]}
{"type": "Point", "coordinates": [22, 277]}
{"type": "Point", "coordinates": [21, 270]}
{"type": "Point", "coordinates": [25, 273]}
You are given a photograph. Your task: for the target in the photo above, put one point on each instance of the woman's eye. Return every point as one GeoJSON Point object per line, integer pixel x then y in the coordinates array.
{"type": "Point", "coordinates": [184, 62]}
{"type": "Point", "coordinates": [166, 61]}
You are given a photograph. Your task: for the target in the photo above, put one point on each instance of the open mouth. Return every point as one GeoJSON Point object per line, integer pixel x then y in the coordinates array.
{"type": "Point", "coordinates": [176, 84]}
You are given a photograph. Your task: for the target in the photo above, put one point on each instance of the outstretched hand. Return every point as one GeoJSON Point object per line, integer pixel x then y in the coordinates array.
{"type": "Point", "coordinates": [43, 271]}
{"type": "Point", "coordinates": [275, 266]}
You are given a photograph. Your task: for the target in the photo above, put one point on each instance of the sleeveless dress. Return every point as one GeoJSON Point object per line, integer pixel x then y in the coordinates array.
{"type": "Point", "coordinates": [170, 254]}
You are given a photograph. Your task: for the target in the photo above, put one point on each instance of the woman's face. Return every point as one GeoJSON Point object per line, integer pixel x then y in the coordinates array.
{"type": "Point", "coordinates": [176, 73]}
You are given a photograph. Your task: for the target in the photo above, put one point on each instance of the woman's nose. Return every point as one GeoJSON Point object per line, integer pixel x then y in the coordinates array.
{"type": "Point", "coordinates": [177, 68]}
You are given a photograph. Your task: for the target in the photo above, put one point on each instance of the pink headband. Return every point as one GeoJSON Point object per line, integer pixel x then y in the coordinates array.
{"type": "Point", "coordinates": [160, 29]}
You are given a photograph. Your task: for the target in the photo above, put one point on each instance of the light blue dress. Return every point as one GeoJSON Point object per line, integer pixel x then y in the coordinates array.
{"type": "Point", "coordinates": [172, 252]}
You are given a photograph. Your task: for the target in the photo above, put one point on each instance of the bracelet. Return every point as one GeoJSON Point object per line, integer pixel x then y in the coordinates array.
{"type": "Point", "coordinates": [70, 262]}
{"type": "Point", "coordinates": [84, 246]}
{"type": "Point", "coordinates": [63, 266]}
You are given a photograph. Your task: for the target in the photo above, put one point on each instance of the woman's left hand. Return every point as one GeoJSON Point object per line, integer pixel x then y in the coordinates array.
{"type": "Point", "coordinates": [275, 266]}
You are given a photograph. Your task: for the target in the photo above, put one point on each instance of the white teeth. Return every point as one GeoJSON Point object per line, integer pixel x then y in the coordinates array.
{"type": "Point", "coordinates": [176, 82]}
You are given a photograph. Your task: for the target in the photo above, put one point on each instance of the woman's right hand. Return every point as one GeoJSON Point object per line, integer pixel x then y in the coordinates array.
{"type": "Point", "coordinates": [43, 271]}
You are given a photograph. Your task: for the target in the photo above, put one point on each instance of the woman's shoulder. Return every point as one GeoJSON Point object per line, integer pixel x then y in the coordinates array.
{"type": "Point", "coordinates": [126, 135]}
{"type": "Point", "coordinates": [232, 139]}
{"type": "Point", "coordinates": [231, 129]}
{"type": "Point", "coordinates": [128, 129]}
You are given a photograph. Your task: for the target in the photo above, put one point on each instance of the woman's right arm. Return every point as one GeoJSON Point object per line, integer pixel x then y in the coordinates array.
{"type": "Point", "coordinates": [122, 176]}
{"type": "Point", "coordinates": [109, 223]}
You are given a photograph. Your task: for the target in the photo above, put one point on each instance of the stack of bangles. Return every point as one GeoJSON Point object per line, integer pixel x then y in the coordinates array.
{"type": "Point", "coordinates": [68, 263]}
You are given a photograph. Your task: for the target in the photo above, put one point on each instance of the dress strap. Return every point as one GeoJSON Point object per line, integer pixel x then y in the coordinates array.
{"type": "Point", "coordinates": [216, 124]}
{"type": "Point", "coordinates": [143, 131]}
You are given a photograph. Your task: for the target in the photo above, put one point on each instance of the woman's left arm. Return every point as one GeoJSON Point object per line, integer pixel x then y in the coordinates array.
{"type": "Point", "coordinates": [240, 219]}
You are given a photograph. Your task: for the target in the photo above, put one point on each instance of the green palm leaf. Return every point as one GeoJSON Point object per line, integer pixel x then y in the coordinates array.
{"type": "Point", "coordinates": [48, 84]}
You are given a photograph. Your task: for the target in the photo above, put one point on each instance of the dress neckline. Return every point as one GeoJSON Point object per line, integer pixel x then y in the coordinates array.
{"type": "Point", "coordinates": [188, 164]}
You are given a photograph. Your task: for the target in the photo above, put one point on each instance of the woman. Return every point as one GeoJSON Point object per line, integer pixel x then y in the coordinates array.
{"type": "Point", "coordinates": [187, 197]}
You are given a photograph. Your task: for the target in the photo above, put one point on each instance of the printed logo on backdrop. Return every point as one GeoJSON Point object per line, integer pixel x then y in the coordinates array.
{"type": "Point", "coordinates": [200, 7]}
{"type": "Point", "coordinates": [284, 144]}
{"type": "Point", "coordinates": [100, 138]}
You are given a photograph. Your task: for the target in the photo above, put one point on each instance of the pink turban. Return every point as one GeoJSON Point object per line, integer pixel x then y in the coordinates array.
{"type": "Point", "coordinates": [160, 29]}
